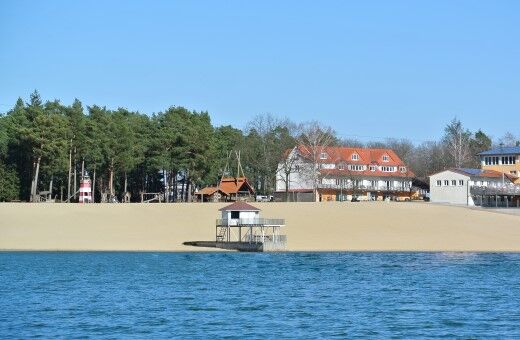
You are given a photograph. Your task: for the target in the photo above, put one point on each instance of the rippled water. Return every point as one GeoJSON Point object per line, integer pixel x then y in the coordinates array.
{"type": "Point", "coordinates": [308, 295]}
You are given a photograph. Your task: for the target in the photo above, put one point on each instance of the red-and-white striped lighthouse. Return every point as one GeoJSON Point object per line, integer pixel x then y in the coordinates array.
{"type": "Point", "coordinates": [85, 190]}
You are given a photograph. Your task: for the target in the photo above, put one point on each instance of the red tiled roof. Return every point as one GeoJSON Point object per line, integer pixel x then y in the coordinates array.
{"type": "Point", "coordinates": [232, 185]}
{"type": "Point", "coordinates": [239, 206]}
{"type": "Point", "coordinates": [366, 156]}
{"type": "Point", "coordinates": [209, 191]}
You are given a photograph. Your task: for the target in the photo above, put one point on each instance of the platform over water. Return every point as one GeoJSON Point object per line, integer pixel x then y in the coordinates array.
{"type": "Point", "coordinates": [240, 246]}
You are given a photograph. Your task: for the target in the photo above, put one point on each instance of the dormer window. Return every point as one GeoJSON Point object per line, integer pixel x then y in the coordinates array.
{"type": "Point", "coordinates": [355, 157]}
{"type": "Point", "coordinates": [372, 168]}
{"type": "Point", "coordinates": [341, 166]}
{"type": "Point", "coordinates": [323, 155]}
{"type": "Point", "coordinates": [403, 169]}
{"type": "Point", "coordinates": [386, 158]}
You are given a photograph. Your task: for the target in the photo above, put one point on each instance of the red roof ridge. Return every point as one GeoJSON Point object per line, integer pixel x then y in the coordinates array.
{"type": "Point", "coordinates": [240, 206]}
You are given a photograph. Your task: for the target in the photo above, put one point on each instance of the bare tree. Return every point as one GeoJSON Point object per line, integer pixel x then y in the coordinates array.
{"type": "Point", "coordinates": [315, 140]}
{"type": "Point", "coordinates": [402, 147]}
{"type": "Point", "coordinates": [428, 158]}
{"type": "Point", "coordinates": [286, 167]}
{"type": "Point", "coordinates": [275, 136]}
{"type": "Point", "coordinates": [457, 141]}
{"type": "Point", "coordinates": [350, 143]}
{"type": "Point", "coordinates": [509, 139]}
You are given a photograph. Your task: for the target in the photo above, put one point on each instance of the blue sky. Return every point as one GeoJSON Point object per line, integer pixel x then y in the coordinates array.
{"type": "Point", "coordinates": [369, 68]}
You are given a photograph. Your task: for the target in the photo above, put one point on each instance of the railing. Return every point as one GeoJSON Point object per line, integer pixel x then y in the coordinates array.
{"type": "Point", "coordinates": [497, 190]}
{"type": "Point", "coordinates": [269, 238]}
{"type": "Point", "coordinates": [271, 242]}
{"type": "Point", "coordinates": [364, 187]}
{"type": "Point", "coordinates": [251, 222]}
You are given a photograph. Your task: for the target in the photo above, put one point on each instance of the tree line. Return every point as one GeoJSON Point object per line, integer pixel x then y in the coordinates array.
{"type": "Point", "coordinates": [48, 146]}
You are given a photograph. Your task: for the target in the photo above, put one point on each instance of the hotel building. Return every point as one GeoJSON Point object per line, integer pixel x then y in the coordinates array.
{"type": "Point", "coordinates": [343, 173]}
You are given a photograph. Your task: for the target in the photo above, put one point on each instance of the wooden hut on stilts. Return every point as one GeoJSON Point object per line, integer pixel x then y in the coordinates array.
{"type": "Point", "coordinates": [241, 228]}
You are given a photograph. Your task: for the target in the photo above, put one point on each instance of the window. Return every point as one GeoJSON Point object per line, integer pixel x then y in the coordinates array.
{"type": "Point", "coordinates": [491, 160]}
{"type": "Point", "coordinates": [328, 166]}
{"type": "Point", "coordinates": [356, 167]}
{"type": "Point", "coordinates": [386, 158]}
{"type": "Point", "coordinates": [341, 166]}
{"type": "Point", "coordinates": [373, 184]}
{"type": "Point", "coordinates": [297, 168]}
{"type": "Point", "coordinates": [461, 182]}
{"type": "Point", "coordinates": [403, 169]}
{"type": "Point", "coordinates": [387, 169]}
{"type": "Point", "coordinates": [372, 168]}
{"type": "Point", "coordinates": [446, 183]}
{"type": "Point", "coordinates": [323, 155]}
{"type": "Point", "coordinates": [513, 172]}
{"type": "Point", "coordinates": [235, 215]}
{"type": "Point", "coordinates": [355, 157]}
{"type": "Point", "coordinates": [454, 182]}
{"type": "Point", "coordinates": [439, 183]}
{"type": "Point", "coordinates": [508, 159]}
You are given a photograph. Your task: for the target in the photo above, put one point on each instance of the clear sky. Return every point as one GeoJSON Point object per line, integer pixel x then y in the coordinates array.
{"type": "Point", "coordinates": [370, 68]}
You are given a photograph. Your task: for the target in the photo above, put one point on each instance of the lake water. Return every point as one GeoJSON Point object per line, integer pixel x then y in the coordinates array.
{"type": "Point", "coordinates": [291, 295]}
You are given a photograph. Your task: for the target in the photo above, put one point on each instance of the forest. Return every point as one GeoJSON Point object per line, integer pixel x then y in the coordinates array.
{"type": "Point", "coordinates": [46, 146]}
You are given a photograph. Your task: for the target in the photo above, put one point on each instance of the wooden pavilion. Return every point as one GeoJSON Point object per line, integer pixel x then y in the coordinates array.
{"type": "Point", "coordinates": [230, 189]}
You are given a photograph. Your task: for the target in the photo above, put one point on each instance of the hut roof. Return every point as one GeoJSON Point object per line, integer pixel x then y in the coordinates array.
{"type": "Point", "coordinates": [233, 185]}
{"type": "Point", "coordinates": [207, 191]}
{"type": "Point", "coordinates": [239, 206]}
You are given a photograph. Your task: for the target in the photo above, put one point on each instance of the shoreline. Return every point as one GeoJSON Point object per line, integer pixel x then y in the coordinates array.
{"type": "Point", "coordinates": [311, 227]}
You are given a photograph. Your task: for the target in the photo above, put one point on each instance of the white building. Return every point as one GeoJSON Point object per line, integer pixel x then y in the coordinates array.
{"type": "Point", "coordinates": [232, 214]}
{"type": "Point", "coordinates": [458, 186]}
{"type": "Point", "coordinates": [342, 173]}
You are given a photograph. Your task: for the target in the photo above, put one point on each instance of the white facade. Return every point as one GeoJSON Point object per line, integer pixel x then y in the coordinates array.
{"type": "Point", "coordinates": [454, 187]}
{"type": "Point", "coordinates": [298, 178]}
{"type": "Point", "coordinates": [450, 187]}
{"type": "Point", "coordinates": [234, 216]}
{"type": "Point", "coordinates": [341, 176]}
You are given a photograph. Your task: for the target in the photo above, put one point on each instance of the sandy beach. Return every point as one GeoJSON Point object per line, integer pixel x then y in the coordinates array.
{"type": "Point", "coordinates": [369, 226]}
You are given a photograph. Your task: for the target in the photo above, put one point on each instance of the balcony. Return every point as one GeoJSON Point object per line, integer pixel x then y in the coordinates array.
{"type": "Point", "coordinates": [365, 187]}
{"type": "Point", "coordinates": [251, 222]}
{"type": "Point", "coordinates": [510, 189]}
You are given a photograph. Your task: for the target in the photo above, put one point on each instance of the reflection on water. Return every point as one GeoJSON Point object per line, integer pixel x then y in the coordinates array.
{"type": "Point", "coordinates": [259, 295]}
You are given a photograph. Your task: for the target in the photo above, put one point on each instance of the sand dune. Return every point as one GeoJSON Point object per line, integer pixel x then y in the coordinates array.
{"type": "Point", "coordinates": [372, 226]}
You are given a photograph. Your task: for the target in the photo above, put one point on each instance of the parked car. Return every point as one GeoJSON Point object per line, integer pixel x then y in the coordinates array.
{"type": "Point", "coordinates": [264, 198]}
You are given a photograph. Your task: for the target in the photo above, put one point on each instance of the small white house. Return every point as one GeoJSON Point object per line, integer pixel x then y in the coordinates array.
{"type": "Point", "coordinates": [239, 211]}
{"type": "Point", "coordinates": [454, 185]}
